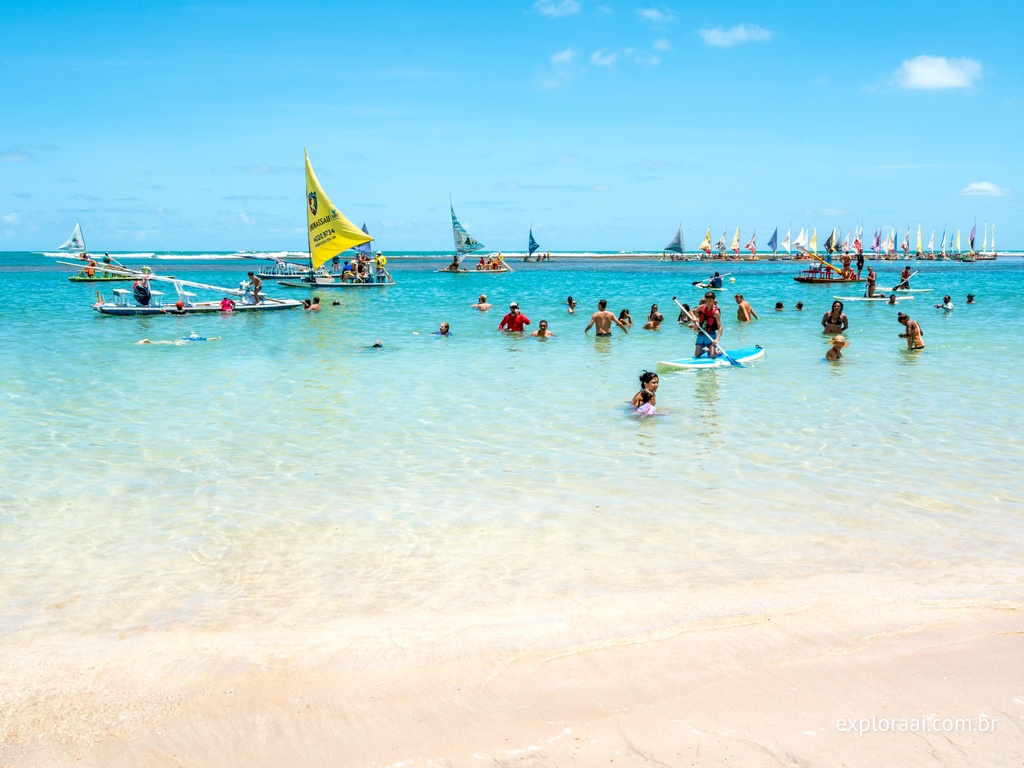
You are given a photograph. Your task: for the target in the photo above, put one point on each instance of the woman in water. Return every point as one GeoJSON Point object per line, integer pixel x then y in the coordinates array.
{"type": "Point", "coordinates": [839, 343]}
{"type": "Point", "coordinates": [654, 319]}
{"type": "Point", "coordinates": [914, 335]}
{"type": "Point", "coordinates": [646, 407]}
{"type": "Point", "coordinates": [624, 317]}
{"type": "Point", "coordinates": [648, 383]}
{"type": "Point", "coordinates": [572, 305]}
{"type": "Point", "coordinates": [834, 321]}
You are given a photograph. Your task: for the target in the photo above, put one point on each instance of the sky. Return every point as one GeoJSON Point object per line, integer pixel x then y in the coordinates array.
{"type": "Point", "coordinates": [601, 125]}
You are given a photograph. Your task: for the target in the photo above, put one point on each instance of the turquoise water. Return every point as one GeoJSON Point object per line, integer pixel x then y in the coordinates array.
{"type": "Point", "coordinates": [289, 476]}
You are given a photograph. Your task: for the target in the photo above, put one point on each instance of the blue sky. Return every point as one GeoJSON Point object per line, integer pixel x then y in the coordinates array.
{"type": "Point", "coordinates": [605, 125]}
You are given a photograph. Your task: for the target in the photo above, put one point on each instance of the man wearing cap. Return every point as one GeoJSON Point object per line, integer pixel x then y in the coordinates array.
{"type": "Point", "coordinates": [380, 260]}
{"type": "Point", "coordinates": [481, 303]}
{"type": "Point", "coordinates": [514, 320]}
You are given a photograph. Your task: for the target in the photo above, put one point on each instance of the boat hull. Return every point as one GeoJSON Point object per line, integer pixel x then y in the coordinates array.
{"type": "Point", "coordinates": [199, 308]}
{"type": "Point", "coordinates": [317, 284]}
{"type": "Point", "coordinates": [827, 280]}
{"type": "Point", "coordinates": [501, 271]}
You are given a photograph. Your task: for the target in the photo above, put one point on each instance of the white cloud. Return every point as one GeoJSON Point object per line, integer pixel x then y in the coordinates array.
{"type": "Point", "coordinates": [933, 73]}
{"type": "Point", "coordinates": [741, 33]}
{"type": "Point", "coordinates": [11, 218]}
{"type": "Point", "coordinates": [564, 57]}
{"type": "Point", "coordinates": [603, 58]}
{"type": "Point", "coordinates": [986, 188]}
{"type": "Point", "coordinates": [662, 44]}
{"type": "Point", "coordinates": [655, 15]}
{"type": "Point", "coordinates": [556, 9]}
{"type": "Point", "coordinates": [16, 156]}
{"type": "Point", "coordinates": [563, 69]}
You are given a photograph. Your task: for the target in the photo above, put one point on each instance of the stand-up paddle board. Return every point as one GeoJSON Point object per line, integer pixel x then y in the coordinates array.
{"type": "Point", "coordinates": [740, 356]}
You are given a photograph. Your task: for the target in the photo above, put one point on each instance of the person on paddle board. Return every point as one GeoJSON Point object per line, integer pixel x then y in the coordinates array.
{"type": "Point", "coordinates": [905, 278]}
{"type": "Point", "coordinates": [709, 327]}
{"type": "Point", "coordinates": [872, 279]}
{"type": "Point", "coordinates": [716, 281]}
{"type": "Point", "coordinates": [835, 320]}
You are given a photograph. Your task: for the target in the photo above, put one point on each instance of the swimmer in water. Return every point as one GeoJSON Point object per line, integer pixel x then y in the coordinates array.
{"type": "Point", "coordinates": [601, 321]}
{"type": "Point", "coordinates": [646, 406]}
{"type": "Point", "coordinates": [648, 383]}
{"type": "Point", "coordinates": [835, 352]}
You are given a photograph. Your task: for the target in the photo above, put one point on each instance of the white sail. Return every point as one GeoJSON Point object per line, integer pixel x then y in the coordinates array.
{"type": "Point", "coordinates": [931, 242]}
{"type": "Point", "coordinates": [801, 239]}
{"type": "Point", "coordinates": [984, 240]}
{"type": "Point", "coordinates": [75, 243]}
{"type": "Point", "coordinates": [785, 243]}
{"type": "Point", "coordinates": [993, 238]}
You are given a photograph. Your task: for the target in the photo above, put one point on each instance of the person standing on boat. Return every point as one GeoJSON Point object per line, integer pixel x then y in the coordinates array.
{"type": "Point", "coordinates": [872, 279]}
{"type": "Point", "coordinates": [257, 284]}
{"type": "Point", "coordinates": [834, 321]}
{"type": "Point", "coordinates": [601, 321]}
{"type": "Point", "coordinates": [514, 321]}
{"type": "Point", "coordinates": [914, 335]}
{"type": "Point", "coordinates": [709, 327]}
{"type": "Point", "coordinates": [745, 313]}
{"type": "Point", "coordinates": [141, 292]}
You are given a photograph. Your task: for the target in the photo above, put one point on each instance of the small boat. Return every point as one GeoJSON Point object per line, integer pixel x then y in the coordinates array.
{"type": "Point", "coordinates": [823, 272]}
{"type": "Point", "coordinates": [465, 243]}
{"type": "Point", "coordinates": [746, 355]}
{"type": "Point", "coordinates": [330, 235]}
{"type": "Point", "coordinates": [285, 270]}
{"type": "Point", "coordinates": [98, 273]}
{"type": "Point", "coordinates": [676, 247]}
{"type": "Point", "coordinates": [142, 300]}
{"type": "Point", "coordinates": [91, 271]}
{"type": "Point", "coordinates": [872, 298]}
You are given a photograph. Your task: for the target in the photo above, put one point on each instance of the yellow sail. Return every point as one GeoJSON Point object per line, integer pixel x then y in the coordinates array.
{"type": "Point", "coordinates": [814, 242]}
{"type": "Point", "coordinates": [958, 241]}
{"type": "Point", "coordinates": [736, 241]}
{"type": "Point", "coordinates": [706, 245]}
{"type": "Point", "coordinates": [330, 232]}
{"type": "Point", "coordinates": [919, 238]}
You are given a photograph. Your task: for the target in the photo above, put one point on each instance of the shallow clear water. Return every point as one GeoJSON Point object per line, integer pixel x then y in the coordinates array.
{"type": "Point", "coordinates": [488, 490]}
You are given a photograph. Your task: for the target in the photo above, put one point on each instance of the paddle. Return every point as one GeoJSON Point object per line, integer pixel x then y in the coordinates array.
{"type": "Point", "coordinates": [694, 321]}
{"type": "Point", "coordinates": [904, 282]}
{"type": "Point", "coordinates": [697, 282]}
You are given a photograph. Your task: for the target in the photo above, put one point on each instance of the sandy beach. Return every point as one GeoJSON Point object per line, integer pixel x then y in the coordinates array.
{"type": "Point", "coordinates": [792, 689]}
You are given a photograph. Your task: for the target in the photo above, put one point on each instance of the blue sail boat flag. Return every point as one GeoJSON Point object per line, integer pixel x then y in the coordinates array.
{"type": "Point", "coordinates": [774, 242]}
{"type": "Point", "coordinates": [533, 243]}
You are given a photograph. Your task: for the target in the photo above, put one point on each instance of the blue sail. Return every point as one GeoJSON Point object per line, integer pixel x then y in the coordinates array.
{"type": "Point", "coordinates": [774, 242]}
{"type": "Point", "coordinates": [365, 247]}
{"type": "Point", "coordinates": [533, 243]}
{"type": "Point", "coordinates": [464, 242]}
{"type": "Point", "coordinates": [676, 246]}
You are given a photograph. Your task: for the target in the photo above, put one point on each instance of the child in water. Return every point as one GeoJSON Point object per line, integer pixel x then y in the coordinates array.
{"type": "Point", "coordinates": [646, 406]}
{"type": "Point", "coordinates": [648, 384]}
{"type": "Point", "coordinates": [835, 352]}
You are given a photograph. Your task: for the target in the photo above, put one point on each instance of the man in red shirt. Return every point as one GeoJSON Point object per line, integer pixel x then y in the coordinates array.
{"type": "Point", "coordinates": [514, 320]}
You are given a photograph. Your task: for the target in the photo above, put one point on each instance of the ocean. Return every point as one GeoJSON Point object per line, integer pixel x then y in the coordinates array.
{"type": "Point", "coordinates": [442, 498]}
